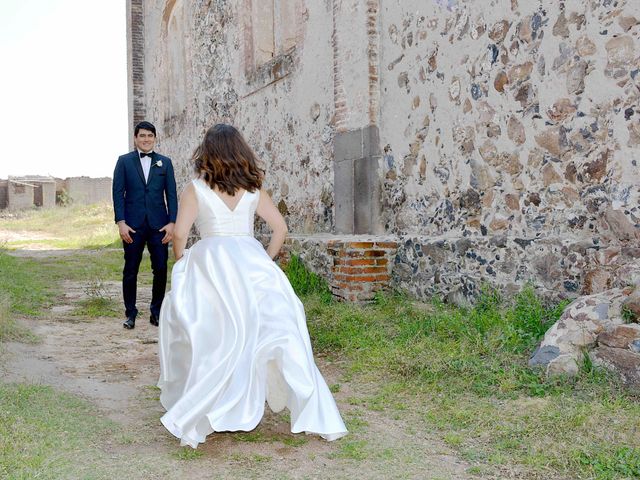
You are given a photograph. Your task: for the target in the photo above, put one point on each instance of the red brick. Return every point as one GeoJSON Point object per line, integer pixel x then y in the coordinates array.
{"type": "Point", "coordinates": [364, 278]}
{"type": "Point", "coordinates": [360, 244]}
{"type": "Point", "coordinates": [341, 277]}
{"type": "Point", "coordinates": [374, 270]}
{"type": "Point", "coordinates": [354, 261]}
{"type": "Point", "coordinates": [362, 261]}
{"type": "Point", "coordinates": [365, 253]}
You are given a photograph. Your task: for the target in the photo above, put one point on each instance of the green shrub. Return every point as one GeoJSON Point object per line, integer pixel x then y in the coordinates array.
{"type": "Point", "coordinates": [306, 282]}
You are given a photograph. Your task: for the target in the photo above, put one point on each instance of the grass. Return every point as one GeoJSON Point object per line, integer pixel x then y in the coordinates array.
{"type": "Point", "coordinates": [304, 281]}
{"type": "Point", "coordinates": [45, 433]}
{"type": "Point", "coordinates": [10, 330]}
{"type": "Point", "coordinates": [33, 285]}
{"type": "Point", "coordinates": [98, 301]}
{"type": "Point", "coordinates": [466, 371]}
{"type": "Point", "coordinates": [294, 441]}
{"type": "Point", "coordinates": [352, 449]}
{"type": "Point", "coordinates": [71, 227]}
{"type": "Point", "coordinates": [188, 453]}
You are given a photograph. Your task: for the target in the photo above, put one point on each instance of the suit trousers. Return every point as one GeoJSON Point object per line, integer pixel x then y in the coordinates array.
{"type": "Point", "coordinates": [159, 253]}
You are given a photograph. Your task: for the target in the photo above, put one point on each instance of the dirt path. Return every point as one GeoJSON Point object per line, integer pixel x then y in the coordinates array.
{"type": "Point", "coordinates": [116, 370]}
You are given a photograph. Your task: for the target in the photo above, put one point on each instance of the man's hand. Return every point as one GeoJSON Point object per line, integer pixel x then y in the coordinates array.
{"type": "Point", "coordinates": [125, 230]}
{"type": "Point", "coordinates": [168, 232]}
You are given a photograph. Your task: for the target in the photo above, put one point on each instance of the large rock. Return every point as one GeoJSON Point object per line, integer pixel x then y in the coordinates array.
{"type": "Point", "coordinates": [578, 328]}
{"type": "Point", "coordinates": [623, 361]}
{"type": "Point", "coordinates": [620, 337]}
{"type": "Point", "coordinates": [601, 326]}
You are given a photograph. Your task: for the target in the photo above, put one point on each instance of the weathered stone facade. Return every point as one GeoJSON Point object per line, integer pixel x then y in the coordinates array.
{"type": "Point", "coordinates": [494, 140]}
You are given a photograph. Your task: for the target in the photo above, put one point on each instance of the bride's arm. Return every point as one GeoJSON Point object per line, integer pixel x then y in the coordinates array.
{"type": "Point", "coordinates": [270, 214]}
{"type": "Point", "coordinates": [187, 213]}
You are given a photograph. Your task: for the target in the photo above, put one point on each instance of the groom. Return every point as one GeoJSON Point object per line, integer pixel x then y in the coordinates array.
{"type": "Point", "coordinates": [145, 205]}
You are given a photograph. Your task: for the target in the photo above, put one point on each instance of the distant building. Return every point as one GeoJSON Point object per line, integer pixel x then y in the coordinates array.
{"type": "Point", "coordinates": [86, 190]}
{"type": "Point", "coordinates": [22, 192]}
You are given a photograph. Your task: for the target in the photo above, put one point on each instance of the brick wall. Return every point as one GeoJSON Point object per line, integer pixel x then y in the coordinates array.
{"type": "Point", "coordinates": [360, 269]}
{"type": "Point", "coordinates": [339, 95]}
{"type": "Point", "coordinates": [355, 266]}
{"type": "Point", "coordinates": [373, 28]}
{"type": "Point", "coordinates": [135, 65]}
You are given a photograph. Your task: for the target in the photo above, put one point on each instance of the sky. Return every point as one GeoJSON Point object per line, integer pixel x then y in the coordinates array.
{"type": "Point", "coordinates": [63, 87]}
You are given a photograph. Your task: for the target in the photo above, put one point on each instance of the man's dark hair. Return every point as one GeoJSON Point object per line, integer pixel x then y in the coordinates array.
{"type": "Point", "coordinates": [144, 126]}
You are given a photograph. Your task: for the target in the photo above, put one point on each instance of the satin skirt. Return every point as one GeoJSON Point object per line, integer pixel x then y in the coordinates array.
{"type": "Point", "coordinates": [233, 335]}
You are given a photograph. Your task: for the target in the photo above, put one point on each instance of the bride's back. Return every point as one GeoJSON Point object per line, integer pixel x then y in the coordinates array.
{"type": "Point", "coordinates": [216, 218]}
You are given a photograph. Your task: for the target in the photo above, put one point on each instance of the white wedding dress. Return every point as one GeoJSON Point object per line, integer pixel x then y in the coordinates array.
{"type": "Point", "coordinates": [233, 334]}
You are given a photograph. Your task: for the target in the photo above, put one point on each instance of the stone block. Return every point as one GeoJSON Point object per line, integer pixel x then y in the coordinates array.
{"type": "Point", "coordinates": [366, 196]}
{"type": "Point", "coordinates": [371, 141]}
{"type": "Point", "coordinates": [348, 145]}
{"type": "Point", "coordinates": [343, 195]}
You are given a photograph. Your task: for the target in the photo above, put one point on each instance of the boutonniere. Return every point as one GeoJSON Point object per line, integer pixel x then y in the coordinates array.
{"type": "Point", "coordinates": [158, 163]}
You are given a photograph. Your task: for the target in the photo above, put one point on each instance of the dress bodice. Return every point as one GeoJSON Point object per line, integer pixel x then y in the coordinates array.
{"type": "Point", "coordinates": [215, 218]}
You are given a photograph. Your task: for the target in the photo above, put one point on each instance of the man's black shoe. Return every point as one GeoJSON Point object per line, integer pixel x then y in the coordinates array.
{"type": "Point", "coordinates": [154, 320]}
{"type": "Point", "coordinates": [129, 323]}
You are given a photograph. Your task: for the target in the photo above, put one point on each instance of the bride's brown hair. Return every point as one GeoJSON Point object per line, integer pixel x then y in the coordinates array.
{"type": "Point", "coordinates": [225, 160]}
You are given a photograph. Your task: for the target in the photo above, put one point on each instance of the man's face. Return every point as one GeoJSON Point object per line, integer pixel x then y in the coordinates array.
{"type": "Point", "coordinates": [145, 140]}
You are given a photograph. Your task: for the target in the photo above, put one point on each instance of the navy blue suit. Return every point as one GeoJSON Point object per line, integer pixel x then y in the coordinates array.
{"type": "Point", "coordinates": [146, 207]}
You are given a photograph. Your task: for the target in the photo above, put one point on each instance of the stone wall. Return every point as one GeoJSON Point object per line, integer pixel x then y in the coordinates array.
{"type": "Point", "coordinates": [20, 195]}
{"type": "Point", "coordinates": [86, 190]}
{"type": "Point", "coordinates": [135, 66]}
{"type": "Point", "coordinates": [4, 194]}
{"type": "Point", "coordinates": [510, 133]}
{"type": "Point", "coordinates": [48, 194]}
{"type": "Point", "coordinates": [208, 73]}
{"type": "Point", "coordinates": [496, 141]}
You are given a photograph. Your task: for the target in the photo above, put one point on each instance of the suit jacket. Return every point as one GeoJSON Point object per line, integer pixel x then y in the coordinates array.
{"type": "Point", "coordinates": [134, 199]}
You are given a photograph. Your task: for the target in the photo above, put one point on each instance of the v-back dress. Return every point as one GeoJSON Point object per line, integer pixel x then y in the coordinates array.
{"type": "Point", "coordinates": [233, 335]}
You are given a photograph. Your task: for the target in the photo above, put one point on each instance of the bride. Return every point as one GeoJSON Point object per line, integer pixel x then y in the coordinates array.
{"type": "Point", "coordinates": [232, 331]}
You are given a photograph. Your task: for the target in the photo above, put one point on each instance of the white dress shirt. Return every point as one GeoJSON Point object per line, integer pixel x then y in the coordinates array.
{"type": "Point", "coordinates": [146, 164]}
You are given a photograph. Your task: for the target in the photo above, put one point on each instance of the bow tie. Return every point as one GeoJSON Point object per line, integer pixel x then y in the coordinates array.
{"type": "Point", "coordinates": [150, 154]}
